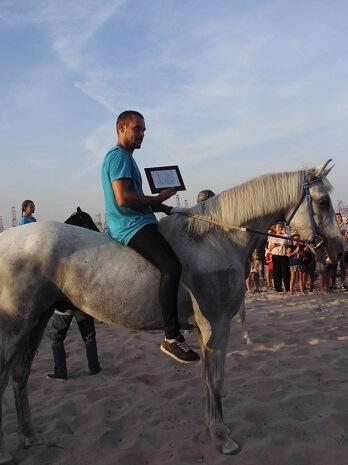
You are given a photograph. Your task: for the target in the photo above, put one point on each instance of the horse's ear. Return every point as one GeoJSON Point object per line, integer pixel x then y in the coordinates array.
{"type": "Point", "coordinates": [320, 170]}
{"type": "Point", "coordinates": [327, 171]}
{"type": "Point", "coordinates": [79, 209]}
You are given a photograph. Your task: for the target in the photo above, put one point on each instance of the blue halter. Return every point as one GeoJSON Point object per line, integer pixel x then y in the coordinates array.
{"type": "Point", "coordinates": [315, 238]}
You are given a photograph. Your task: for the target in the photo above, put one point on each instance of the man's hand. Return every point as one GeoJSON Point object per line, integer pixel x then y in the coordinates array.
{"type": "Point", "coordinates": [166, 194]}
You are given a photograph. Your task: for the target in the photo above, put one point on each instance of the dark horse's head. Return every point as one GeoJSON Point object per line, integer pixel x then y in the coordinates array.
{"type": "Point", "coordinates": [83, 219]}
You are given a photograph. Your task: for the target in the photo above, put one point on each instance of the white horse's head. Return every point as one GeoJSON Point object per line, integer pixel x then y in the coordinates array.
{"type": "Point", "coordinates": [323, 215]}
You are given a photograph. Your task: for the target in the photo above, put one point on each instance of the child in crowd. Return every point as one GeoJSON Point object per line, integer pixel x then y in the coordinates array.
{"type": "Point", "coordinates": [28, 208]}
{"type": "Point", "coordinates": [269, 265]}
{"type": "Point", "coordinates": [255, 268]}
{"type": "Point", "coordinates": [295, 254]}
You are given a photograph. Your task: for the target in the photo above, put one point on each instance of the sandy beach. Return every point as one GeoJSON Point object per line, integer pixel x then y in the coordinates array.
{"type": "Point", "coordinates": [285, 397]}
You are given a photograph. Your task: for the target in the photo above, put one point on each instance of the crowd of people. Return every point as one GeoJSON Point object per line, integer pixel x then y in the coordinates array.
{"type": "Point", "coordinates": [286, 264]}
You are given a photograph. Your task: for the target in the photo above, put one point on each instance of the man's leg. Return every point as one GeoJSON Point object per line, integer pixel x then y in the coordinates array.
{"type": "Point", "coordinates": [87, 329]}
{"type": "Point", "coordinates": [343, 271]}
{"type": "Point", "coordinates": [285, 272]}
{"type": "Point", "coordinates": [57, 328]}
{"type": "Point", "coordinates": [277, 277]}
{"type": "Point", "coordinates": [154, 248]}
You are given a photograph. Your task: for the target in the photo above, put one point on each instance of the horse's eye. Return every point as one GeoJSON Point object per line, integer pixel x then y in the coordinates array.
{"type": "Point", "coordinates": [324, 202]}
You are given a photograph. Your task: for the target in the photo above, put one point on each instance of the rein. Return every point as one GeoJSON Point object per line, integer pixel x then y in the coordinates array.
{"type": "Point", "coordinates": [315, 239]}
{"type": "Point", "coordinates": [231, 227]}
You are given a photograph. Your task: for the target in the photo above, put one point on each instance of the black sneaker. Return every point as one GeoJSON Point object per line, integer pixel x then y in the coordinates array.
{"type": "Point", "coordinates": [95, 371]}
{"type": "Point", "coordinates": [179, 350]}
{"type": "Point", "coordinates": [57, 376]}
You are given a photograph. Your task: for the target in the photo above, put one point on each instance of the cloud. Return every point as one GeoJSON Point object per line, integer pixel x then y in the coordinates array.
{"type": "Point", "coordinates": [70, 25]}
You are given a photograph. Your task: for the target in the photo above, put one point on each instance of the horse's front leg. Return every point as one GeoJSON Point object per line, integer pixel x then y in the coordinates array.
{"type": "Point", "coordinates": [213, 348]}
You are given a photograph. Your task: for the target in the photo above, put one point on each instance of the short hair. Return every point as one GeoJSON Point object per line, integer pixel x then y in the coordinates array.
{"type": "Point", "coordinates": [25, 204]}
{"type": "Point", "coordinates": [125, 116]}
{"type": "Point", "coordinates": [205, 195]}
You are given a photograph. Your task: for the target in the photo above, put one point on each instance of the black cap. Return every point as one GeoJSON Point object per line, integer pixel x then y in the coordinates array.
{"type": "Point", "coordinates": [204, 195]}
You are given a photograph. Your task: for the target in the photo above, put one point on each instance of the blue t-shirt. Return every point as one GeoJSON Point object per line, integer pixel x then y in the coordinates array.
{"type": "Point", "coordinates": [123, 222]}
{"type": "Point", "coordinates": [26, 220]}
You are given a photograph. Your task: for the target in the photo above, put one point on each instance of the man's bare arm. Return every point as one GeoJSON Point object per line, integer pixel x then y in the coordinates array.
{"type": "Point", "coordinates": [162, 208]}
{"type": "Point", "coordinates": [125, 197]}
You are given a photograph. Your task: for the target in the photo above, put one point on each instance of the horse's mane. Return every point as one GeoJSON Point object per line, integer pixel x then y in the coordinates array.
{"type": "Point", "coordinates": [253, 199]}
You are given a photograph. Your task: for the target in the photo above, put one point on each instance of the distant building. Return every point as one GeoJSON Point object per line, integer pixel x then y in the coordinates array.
{"type": "Point", "coordinates": [14, 217]}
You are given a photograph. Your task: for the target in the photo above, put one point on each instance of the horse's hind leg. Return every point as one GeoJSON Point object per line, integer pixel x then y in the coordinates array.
{"type": "Point", "coordinates": [20, 373]}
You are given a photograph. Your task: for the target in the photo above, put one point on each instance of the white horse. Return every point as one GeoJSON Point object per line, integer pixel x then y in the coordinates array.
{"type": "Point", "coordinates": [45, 263]}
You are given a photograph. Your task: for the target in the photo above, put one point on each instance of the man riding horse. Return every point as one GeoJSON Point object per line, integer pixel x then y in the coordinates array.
{"type": "Point", "coordinates": [131, 220]}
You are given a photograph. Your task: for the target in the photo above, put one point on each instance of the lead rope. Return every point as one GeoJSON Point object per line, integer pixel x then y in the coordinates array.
{"type": "Point", "coordinates": [230, 227]}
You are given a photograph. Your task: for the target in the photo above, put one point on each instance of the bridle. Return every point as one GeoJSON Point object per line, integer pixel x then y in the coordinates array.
{"type": "Point", "coordinates": [315, 241]}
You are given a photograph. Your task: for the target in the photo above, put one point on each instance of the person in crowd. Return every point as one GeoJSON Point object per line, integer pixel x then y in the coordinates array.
{"type": "Point", "coordinates": [308, 268]}
{"type": "Point", "coordinates": [131, 221]}
{"type": "Point", "coordinates": [269, 265]}
{"type": "Point", "coordinates": [28, 209]}
{"type": "Point", "coordinates": [57, 330]}
{"type": "Point", "coordinates": [278, 248]}
{"type": "Point", "coordinates": [344, 262]}
{"type": "Point", "coordinates": [324, 272]}
{"type": "Point", "coordinates": [254, 275]}
{"type": "Point", "coordinates": [295, 253]}
{"type": "Point", "coordinates": [204, 195]}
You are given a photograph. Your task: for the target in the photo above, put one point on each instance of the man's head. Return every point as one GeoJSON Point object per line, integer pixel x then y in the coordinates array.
{"type": "Point", "coordinates": [130, 127]}
{"type": "Point", "coordinates": [339, 218]}
{"type": "Point", "coordinates": [295, 237]}
{"type": "Point", "coordinates": [204, 195]}
{"type": "Point", "coordinates": [279, 227]}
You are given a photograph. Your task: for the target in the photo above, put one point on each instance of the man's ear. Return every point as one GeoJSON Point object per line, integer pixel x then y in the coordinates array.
{"type": "Point", "coordinates": [122, 127]}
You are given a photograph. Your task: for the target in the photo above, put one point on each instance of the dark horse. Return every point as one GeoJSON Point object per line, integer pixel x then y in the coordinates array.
{"type": "Point", "coordinates": [83, 219]}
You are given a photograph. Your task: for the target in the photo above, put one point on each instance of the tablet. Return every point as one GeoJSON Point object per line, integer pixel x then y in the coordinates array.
{"type": "Point", "coordinates": [164, 177]}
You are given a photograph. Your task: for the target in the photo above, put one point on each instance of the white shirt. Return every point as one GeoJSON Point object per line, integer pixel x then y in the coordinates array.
{"type": "Point", "coordinates": [278, 249]}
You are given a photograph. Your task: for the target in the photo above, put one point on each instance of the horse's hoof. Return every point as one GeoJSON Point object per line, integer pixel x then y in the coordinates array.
{"type": "Point", "coordinates": [230, 447]}
{"type": "Point", "coordinates": [6, 459]}
{"type": "Point", "coordinates": [30, 441]}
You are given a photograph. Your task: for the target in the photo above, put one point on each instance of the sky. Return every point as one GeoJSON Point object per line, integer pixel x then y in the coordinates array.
{"type": "Point", "coordinates": [230, 90]}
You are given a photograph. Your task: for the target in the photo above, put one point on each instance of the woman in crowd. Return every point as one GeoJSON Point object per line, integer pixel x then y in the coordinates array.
{"type": "Point", "coordinates": [269, 266]}
{"type": "Point", "coordinates": [254, 275]}
{"type": "Point", "coordinates": [295, 253]}
{"type": "Point", "coordinates": [28, 208]}
{"type": "Point", "coordinates": [278, 247]}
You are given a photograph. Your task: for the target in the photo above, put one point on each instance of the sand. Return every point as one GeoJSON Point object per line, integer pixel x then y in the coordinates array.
{"type": "Point", "coordinates": [285, 398]}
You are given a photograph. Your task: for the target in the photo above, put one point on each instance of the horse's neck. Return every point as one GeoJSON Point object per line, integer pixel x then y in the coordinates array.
{"type": "Point", "coordinates": [258, 204]}
{"type": "Point", "coordinates": [268, 196]}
